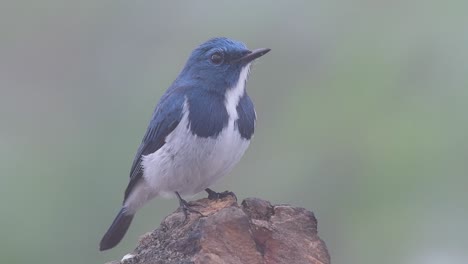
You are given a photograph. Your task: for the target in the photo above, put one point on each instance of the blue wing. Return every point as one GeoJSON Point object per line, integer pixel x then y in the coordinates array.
{"type": "Point", "coordinates": [166, 117]}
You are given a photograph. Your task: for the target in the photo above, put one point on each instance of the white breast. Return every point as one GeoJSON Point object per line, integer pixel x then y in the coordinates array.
{"type": "Point", "coordinates": [187, 163]}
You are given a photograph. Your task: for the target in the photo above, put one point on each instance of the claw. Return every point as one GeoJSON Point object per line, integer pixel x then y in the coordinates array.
{"type": "Point", "coordinates": [185, 206]}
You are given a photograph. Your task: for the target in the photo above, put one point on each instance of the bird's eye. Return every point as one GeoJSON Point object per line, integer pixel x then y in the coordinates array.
{"type": "Point", "coordinates": [217, 58]}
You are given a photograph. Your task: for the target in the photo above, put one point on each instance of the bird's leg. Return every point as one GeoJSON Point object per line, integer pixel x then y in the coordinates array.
{"type": "Point", "coordinates": [212, 195]}
{"type": "Point", "coordinates": [186, 206]}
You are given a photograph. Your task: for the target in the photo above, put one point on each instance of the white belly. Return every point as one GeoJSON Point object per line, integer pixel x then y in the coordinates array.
{"type": "Point", "coordinates": [188, 164]}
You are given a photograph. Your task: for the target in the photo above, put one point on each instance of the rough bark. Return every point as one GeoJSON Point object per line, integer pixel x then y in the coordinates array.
{"type": "Point", "coordinates": [253, 232]}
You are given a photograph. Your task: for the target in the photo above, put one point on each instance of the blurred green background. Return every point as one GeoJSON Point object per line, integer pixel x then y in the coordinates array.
{"type": "Point", "coordinates": [362, 118]}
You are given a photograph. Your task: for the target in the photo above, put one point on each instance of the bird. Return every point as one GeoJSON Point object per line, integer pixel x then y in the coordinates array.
{"type": "Point", "coordinates": [199, 130]}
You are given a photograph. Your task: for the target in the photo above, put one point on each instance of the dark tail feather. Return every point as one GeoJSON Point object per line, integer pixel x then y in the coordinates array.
{"type": "Point", "coordinates": [116, 231]}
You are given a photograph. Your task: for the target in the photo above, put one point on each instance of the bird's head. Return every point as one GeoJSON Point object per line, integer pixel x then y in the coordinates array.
{"type": "Point", "coordinates": [216, 64]}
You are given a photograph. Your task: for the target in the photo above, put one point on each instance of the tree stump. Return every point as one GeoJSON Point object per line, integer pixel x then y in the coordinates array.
{"type": "Point", "coordinates": [250, 233]}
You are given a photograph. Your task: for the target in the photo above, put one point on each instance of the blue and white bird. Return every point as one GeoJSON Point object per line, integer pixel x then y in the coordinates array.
{"type": "Point", "coordinates": [199, 131]}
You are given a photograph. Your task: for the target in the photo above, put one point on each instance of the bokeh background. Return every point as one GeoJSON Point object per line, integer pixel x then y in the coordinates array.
{"type": "Point", "coordinates": [362, 118]}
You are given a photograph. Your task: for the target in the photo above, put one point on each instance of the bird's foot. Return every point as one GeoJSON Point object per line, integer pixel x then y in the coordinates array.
{"type": "Point", "coordinates": [186, 207]}
{"type": "Point", "coordinates": [212, 195]}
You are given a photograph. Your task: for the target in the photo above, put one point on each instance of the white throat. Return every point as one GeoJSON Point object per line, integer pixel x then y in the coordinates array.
{"type": "Point", "coordinates": [234, 94]}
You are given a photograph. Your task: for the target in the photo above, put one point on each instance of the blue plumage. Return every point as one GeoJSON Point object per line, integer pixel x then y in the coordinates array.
{"type": "Point", "coordinates": [246, 122]}
{"type": "Point", "coordinates": [207, 113]}
{"type": "Point", "coordinates": [165, 118]}
{"type": "Point", "coordinates": [198, 132]}
{"type": "Point", "coordinates": [200, 73]}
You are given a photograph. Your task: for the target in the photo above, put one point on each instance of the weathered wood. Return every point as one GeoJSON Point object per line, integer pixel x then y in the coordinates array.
{"type": "Point", "coordinates": [253, 232]}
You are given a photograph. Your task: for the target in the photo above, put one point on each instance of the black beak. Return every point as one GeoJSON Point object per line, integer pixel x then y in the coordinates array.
{"type": "Point", "coordinates": [252, 55]}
